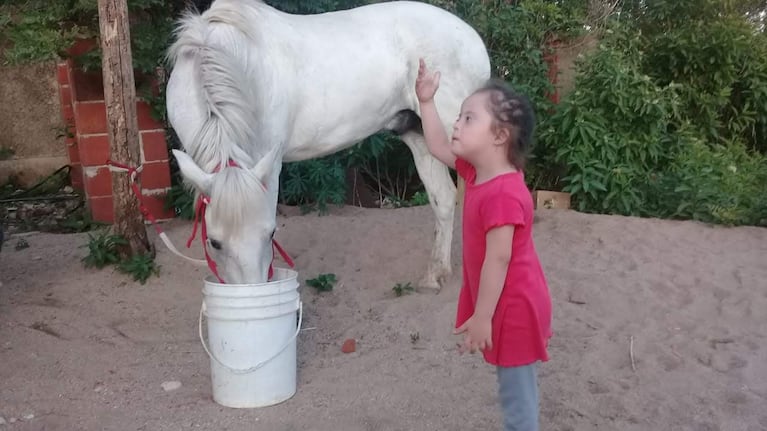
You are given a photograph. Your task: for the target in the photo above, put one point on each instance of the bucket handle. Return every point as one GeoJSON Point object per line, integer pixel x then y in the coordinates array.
{"type": "Point", "coordinates": [260, 364]}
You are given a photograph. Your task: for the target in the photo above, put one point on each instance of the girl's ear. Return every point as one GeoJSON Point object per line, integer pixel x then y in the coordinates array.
{"type": "Point", "coordinates": [502, 135]}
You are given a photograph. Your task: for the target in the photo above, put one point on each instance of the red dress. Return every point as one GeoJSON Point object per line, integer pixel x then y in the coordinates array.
{"type": "Point", "coordinates": [522, 318]}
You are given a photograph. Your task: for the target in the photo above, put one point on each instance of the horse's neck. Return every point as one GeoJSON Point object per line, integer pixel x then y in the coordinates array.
{"type": "Point", "coordinates": [241, 29]}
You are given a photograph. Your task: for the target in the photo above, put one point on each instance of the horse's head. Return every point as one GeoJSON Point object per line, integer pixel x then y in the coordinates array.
{"type": "Point", "coordinates": [240, 216]}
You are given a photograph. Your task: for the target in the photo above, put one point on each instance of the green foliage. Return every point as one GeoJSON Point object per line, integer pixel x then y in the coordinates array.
{"type": "Point", "coordinates": [79, 221]}
{"type": "Point", "coordinates": [384, 161]}
{"type": "Point", "coordinates": [668, 117]}
{"type": "Point", "coordinates": [713, 52]}
{"type": "Point", "coordinates": [181, 200]}
{"type": "Point", "coordinates": [516, 35]}
{"type": "Point", "coordinates": [103, 250]}
{"type": "Point", "coordinates": [6, 153]}
{"type": "Point", "coordinates": [141, 267]}
{"type": "Point", "coordinates": [150, 38]}
{"type": "Point", "coordinates": [419, 199]}
{"type": "Point", "coordinates": [21, 244]}
{"type": "Point", "coordinates": [5, 20]}
{"type": "Point", "coordinates": [387, 165]}
{"type": "Point", "coordinates": [314, 183]}
{"type": "Point", "coordinates": [323, 283]}
{"type": "Point", "coordinates": [723, 184]}
{"type": "Point", "coordinates": [43, 30]}
{"type": "Point", "coordinates": [612, 132]}
{"type": "Point", "coordinates": [35, 30]}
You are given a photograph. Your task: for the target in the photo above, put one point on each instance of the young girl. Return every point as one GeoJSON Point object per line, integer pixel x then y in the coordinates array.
{"type": "Point", "coordinates": [504, 308]}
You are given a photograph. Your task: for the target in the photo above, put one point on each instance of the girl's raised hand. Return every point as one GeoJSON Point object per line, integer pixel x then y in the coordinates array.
{"type": "Point", "coordinates": [426, 84]}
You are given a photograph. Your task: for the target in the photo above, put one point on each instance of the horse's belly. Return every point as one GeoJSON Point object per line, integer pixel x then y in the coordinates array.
{"type": "Point", "coordinates": [326, 134]}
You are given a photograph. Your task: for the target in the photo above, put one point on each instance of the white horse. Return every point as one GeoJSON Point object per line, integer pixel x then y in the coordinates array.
{"type": "Point", "coordinates": [253, 87]}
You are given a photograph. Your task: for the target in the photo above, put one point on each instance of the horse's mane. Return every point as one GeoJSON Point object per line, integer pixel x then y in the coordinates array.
{"type": "Point", "coordinates": [228, 132]}
{"type": "Point", "coordinates": [209, 40]}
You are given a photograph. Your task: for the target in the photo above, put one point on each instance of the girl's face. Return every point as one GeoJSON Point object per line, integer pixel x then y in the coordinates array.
{"type": "Point", "coordinates": [473, 134]}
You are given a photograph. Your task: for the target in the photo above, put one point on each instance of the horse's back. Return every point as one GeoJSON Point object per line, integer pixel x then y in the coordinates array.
{"type": "Point", "coordinates": [408, 28]}
{"type": "Point", "coordinates": [329, 80]}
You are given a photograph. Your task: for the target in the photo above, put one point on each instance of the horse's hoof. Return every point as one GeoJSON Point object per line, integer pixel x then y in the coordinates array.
{"type": "Point", "coordinates": [428, 286]}
{"type": "Point", "coordinates": [429, 290]}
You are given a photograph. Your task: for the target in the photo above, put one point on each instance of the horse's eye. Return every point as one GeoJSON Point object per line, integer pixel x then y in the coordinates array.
{"type": "Point", "coordinates": [273, 232]}
{"type": "Point", "coordinates": [215, 244]}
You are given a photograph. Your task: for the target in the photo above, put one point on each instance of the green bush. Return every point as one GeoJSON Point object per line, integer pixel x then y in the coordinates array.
{"type": "Point", "coordinates": [313, 183]}
{"type": "Point", "coordinates": [612, 132]}
{"type": "Point", "coordinates": [384, 162]}
{"type": "Point", "coordinates": [668, 117]}
{"type": "Point", "coordinates": [710, 48]}
{"type": "Point", "coordinates": [723, 184]}
{"type": "Point", "coordinates": [35, 31]}
{"type": "Point", "coordinates": [41, 30]}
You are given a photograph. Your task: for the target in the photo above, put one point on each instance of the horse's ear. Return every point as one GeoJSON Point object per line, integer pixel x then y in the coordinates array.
{"type": "Point", "coordinates": [192, 173]}
{"type": "Point", "coordinates": [265, 167]}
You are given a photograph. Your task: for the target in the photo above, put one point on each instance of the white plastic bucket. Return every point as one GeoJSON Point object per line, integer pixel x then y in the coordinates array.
{"type": "Point", "coordinates": [252, 335]}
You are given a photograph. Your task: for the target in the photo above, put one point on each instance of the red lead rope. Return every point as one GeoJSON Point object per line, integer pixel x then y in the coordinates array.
{"type": "Point", "coordinates": [133, 176]}
{"type": "Point", "coordinates": [199, 217]}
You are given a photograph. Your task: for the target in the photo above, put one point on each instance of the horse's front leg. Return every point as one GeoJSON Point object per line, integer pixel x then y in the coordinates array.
{"type": "Point", "coordinates": [441, 190]}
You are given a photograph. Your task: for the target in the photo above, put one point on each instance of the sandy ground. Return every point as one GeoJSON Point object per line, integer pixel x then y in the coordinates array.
{"type": "Point", "coordinates": [88, 350]}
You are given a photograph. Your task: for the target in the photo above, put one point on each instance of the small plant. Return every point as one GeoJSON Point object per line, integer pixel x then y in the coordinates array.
{"type": "Point", "coordinates": [419, 199]}
{"type": "Point", "coordinates": [21, 244]}
{"type": "Point", "coordinates": [414, 337]}
{"type": "Point", "coordinates": [102, 250]}
{"type": "Point", "coordinates": [402, 289]}
{"type": "Point", "coordinates": [79, 221]}
{"type": "Point", "coordinates": [6, 153]}
{"type": "Point", "coordinates": [140, 266]}
{"type": "Point", "coordinates": [323, 283]}
{"type": "Point", "coordinates": [64, 132]}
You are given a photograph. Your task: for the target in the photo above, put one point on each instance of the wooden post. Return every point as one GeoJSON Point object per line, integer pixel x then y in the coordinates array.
{"type": "Point", "coordinates": [120, 99]}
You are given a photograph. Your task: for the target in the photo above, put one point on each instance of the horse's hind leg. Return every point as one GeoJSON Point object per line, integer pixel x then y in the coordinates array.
{"type": "Point", "coordinates": [441, 190]}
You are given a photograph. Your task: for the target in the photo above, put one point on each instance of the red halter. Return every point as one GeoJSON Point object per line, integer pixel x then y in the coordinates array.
{"type": "Point", "coordinates": [199, 217]}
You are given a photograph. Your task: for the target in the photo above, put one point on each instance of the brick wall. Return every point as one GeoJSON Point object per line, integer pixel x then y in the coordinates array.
{"type": "Point", "coordinates": [88, 146]}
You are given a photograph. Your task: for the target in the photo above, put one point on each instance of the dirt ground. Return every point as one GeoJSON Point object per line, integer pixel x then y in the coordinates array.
{"type": "Point", "coordinates": [89, 350]}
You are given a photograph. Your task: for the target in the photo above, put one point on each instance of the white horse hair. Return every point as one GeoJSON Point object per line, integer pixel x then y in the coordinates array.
{"type": "Point", "coordinates": [257, 87]}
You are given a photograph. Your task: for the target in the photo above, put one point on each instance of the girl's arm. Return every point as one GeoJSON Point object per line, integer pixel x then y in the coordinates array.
{"type": "Point", "coordinates": [433, 130]}
{"type": "Point", "coordinates": [479, 327]}
{"type": "Point", "coordinates": [434, 133]}
{"type": "Point", "coordinates": [494, 269]}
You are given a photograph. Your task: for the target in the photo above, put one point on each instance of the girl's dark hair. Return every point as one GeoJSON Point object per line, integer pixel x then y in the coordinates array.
{"type": "Point", "coordinates": [513, 112]}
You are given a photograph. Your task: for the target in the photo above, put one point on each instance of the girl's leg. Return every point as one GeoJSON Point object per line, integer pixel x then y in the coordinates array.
{"type": "Point", "coordinates": [518, 389]}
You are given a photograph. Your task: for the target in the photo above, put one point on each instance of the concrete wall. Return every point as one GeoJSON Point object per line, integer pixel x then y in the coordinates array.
{"type": "Point", "coordinates": [30, 120]}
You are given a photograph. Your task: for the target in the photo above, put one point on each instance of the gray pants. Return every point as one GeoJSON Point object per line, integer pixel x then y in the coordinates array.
{"type": "Point", "coordinates": [518, 390]}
